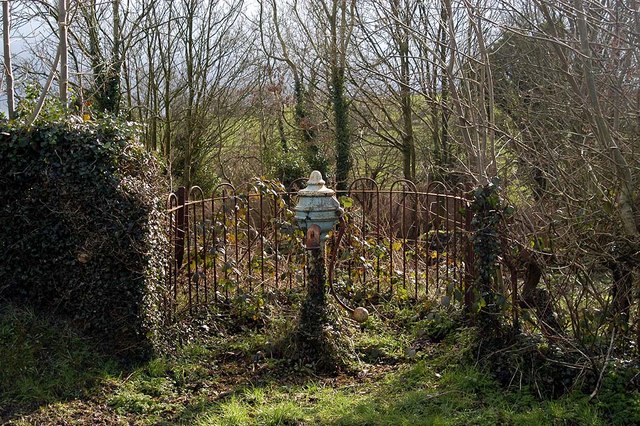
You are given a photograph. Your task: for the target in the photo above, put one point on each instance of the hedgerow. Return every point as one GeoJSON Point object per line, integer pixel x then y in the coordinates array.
{"type": "Point", "coordinates": [81, 228]}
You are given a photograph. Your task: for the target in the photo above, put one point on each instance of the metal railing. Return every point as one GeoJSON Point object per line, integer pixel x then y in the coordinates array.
{"type": "Point", "coordinates": [399, 243]}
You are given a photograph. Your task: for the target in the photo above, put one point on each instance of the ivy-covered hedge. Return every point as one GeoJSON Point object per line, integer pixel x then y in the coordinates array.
{"type": "Point", "coordinates": [81, 228]}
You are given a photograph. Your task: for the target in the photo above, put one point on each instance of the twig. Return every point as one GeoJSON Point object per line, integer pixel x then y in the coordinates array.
{"type": "Point", "coordinates": [604, 366]}
{"type": "Point", "coordinates": [45, 89]}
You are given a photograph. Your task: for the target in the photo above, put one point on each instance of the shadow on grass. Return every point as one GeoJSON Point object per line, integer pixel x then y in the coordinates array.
{"type": "Point", "coordinates": [44, 360]}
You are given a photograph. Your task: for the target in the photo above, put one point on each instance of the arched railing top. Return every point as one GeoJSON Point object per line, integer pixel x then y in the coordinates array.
{"type": "Point", "coordinates": [403, 183]}
{"type": "Point", "coordinates": [359, 185]}
{"type": "Point", "coordinates": [172, 201]}
{"type": "Point", "coordinates": [371, 182]}
{"type": "Point", "coordinates": [220, 190]}
{"type": "Point", "coordinates": [196, 194]}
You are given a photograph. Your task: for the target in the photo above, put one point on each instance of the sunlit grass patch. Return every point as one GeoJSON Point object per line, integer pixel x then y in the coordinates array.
{"type": "Point", "coordinates": [233, 412]}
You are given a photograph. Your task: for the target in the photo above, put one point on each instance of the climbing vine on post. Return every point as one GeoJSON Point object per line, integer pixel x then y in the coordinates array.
{"type": "Point", "coordinates": [489, 214]}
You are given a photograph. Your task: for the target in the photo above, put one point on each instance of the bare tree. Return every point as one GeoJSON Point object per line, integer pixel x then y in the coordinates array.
{"type": "Point", "coordinates": [383, 76]}
{"type": "Point", "coordinates": [569, 109]}
{"type": "Point", "coordinates": [279, 45]}
{"type": "Point", "coordinates": [195, 82]}
{"type": "Point", "coordinates": [328, 27]}
{"type": "Point", "coordinates": [340, 14]}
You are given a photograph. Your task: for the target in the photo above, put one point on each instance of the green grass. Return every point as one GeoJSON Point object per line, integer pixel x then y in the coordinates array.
{"type": "Point", "coordinates": [50, 375]}
{"type": "Point", "coordinates": [42, 360]}
{"type": "Point", "coordinates": [411, 396]}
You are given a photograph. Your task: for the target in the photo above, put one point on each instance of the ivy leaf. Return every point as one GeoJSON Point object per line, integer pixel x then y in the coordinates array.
{"type": "Point", "coordinates": [347, 202]}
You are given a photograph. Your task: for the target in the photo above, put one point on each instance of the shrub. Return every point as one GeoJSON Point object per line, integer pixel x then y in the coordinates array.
{"type": "Point", "coordinates": [289, 166]}
{"type": "Point", "coordinates": [80, 228]}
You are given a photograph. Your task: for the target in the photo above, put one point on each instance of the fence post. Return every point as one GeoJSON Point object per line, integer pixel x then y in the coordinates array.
{"type": "Point", "coordinates": [182, 224]}
{"type": "Point", "coordinates": [469, 263]}
{"type": "Point", "coordinates": [514, 296]}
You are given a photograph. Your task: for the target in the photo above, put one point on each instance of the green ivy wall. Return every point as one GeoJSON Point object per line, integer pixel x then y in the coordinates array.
{"type": "Point", "coordinates": [81, 229]}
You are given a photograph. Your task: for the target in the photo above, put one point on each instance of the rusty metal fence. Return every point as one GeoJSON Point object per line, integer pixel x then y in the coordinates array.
{"type": "Point", "coordinates": [400, 243]}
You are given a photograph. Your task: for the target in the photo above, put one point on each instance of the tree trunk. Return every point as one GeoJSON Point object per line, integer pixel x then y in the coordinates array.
{"type": "Point", "coordinates": [539, 299]}
{"type": "Point", "coordinates": [117, 62]}
{"type": "Point", "coordinates": [443, 105]}
{"type": "Point", "coordinates": [340, 105]}
{"type": "Point", "coordinates": [64, 52]}
{"type": "Point", "coordinates": [408, 144]}
{"type": "Point", "coordinates": [343, 135]}
{"type": "Point", "coordinates": [309, 134]}
{"type": "Point", "coordinates": [621, 292]}
{"type": "Point", "coordinates": [8, 66]}
{"type": "Point", "coordinates": [473, 161]}
{"type": "Point", "coordinates": [190, 63]}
